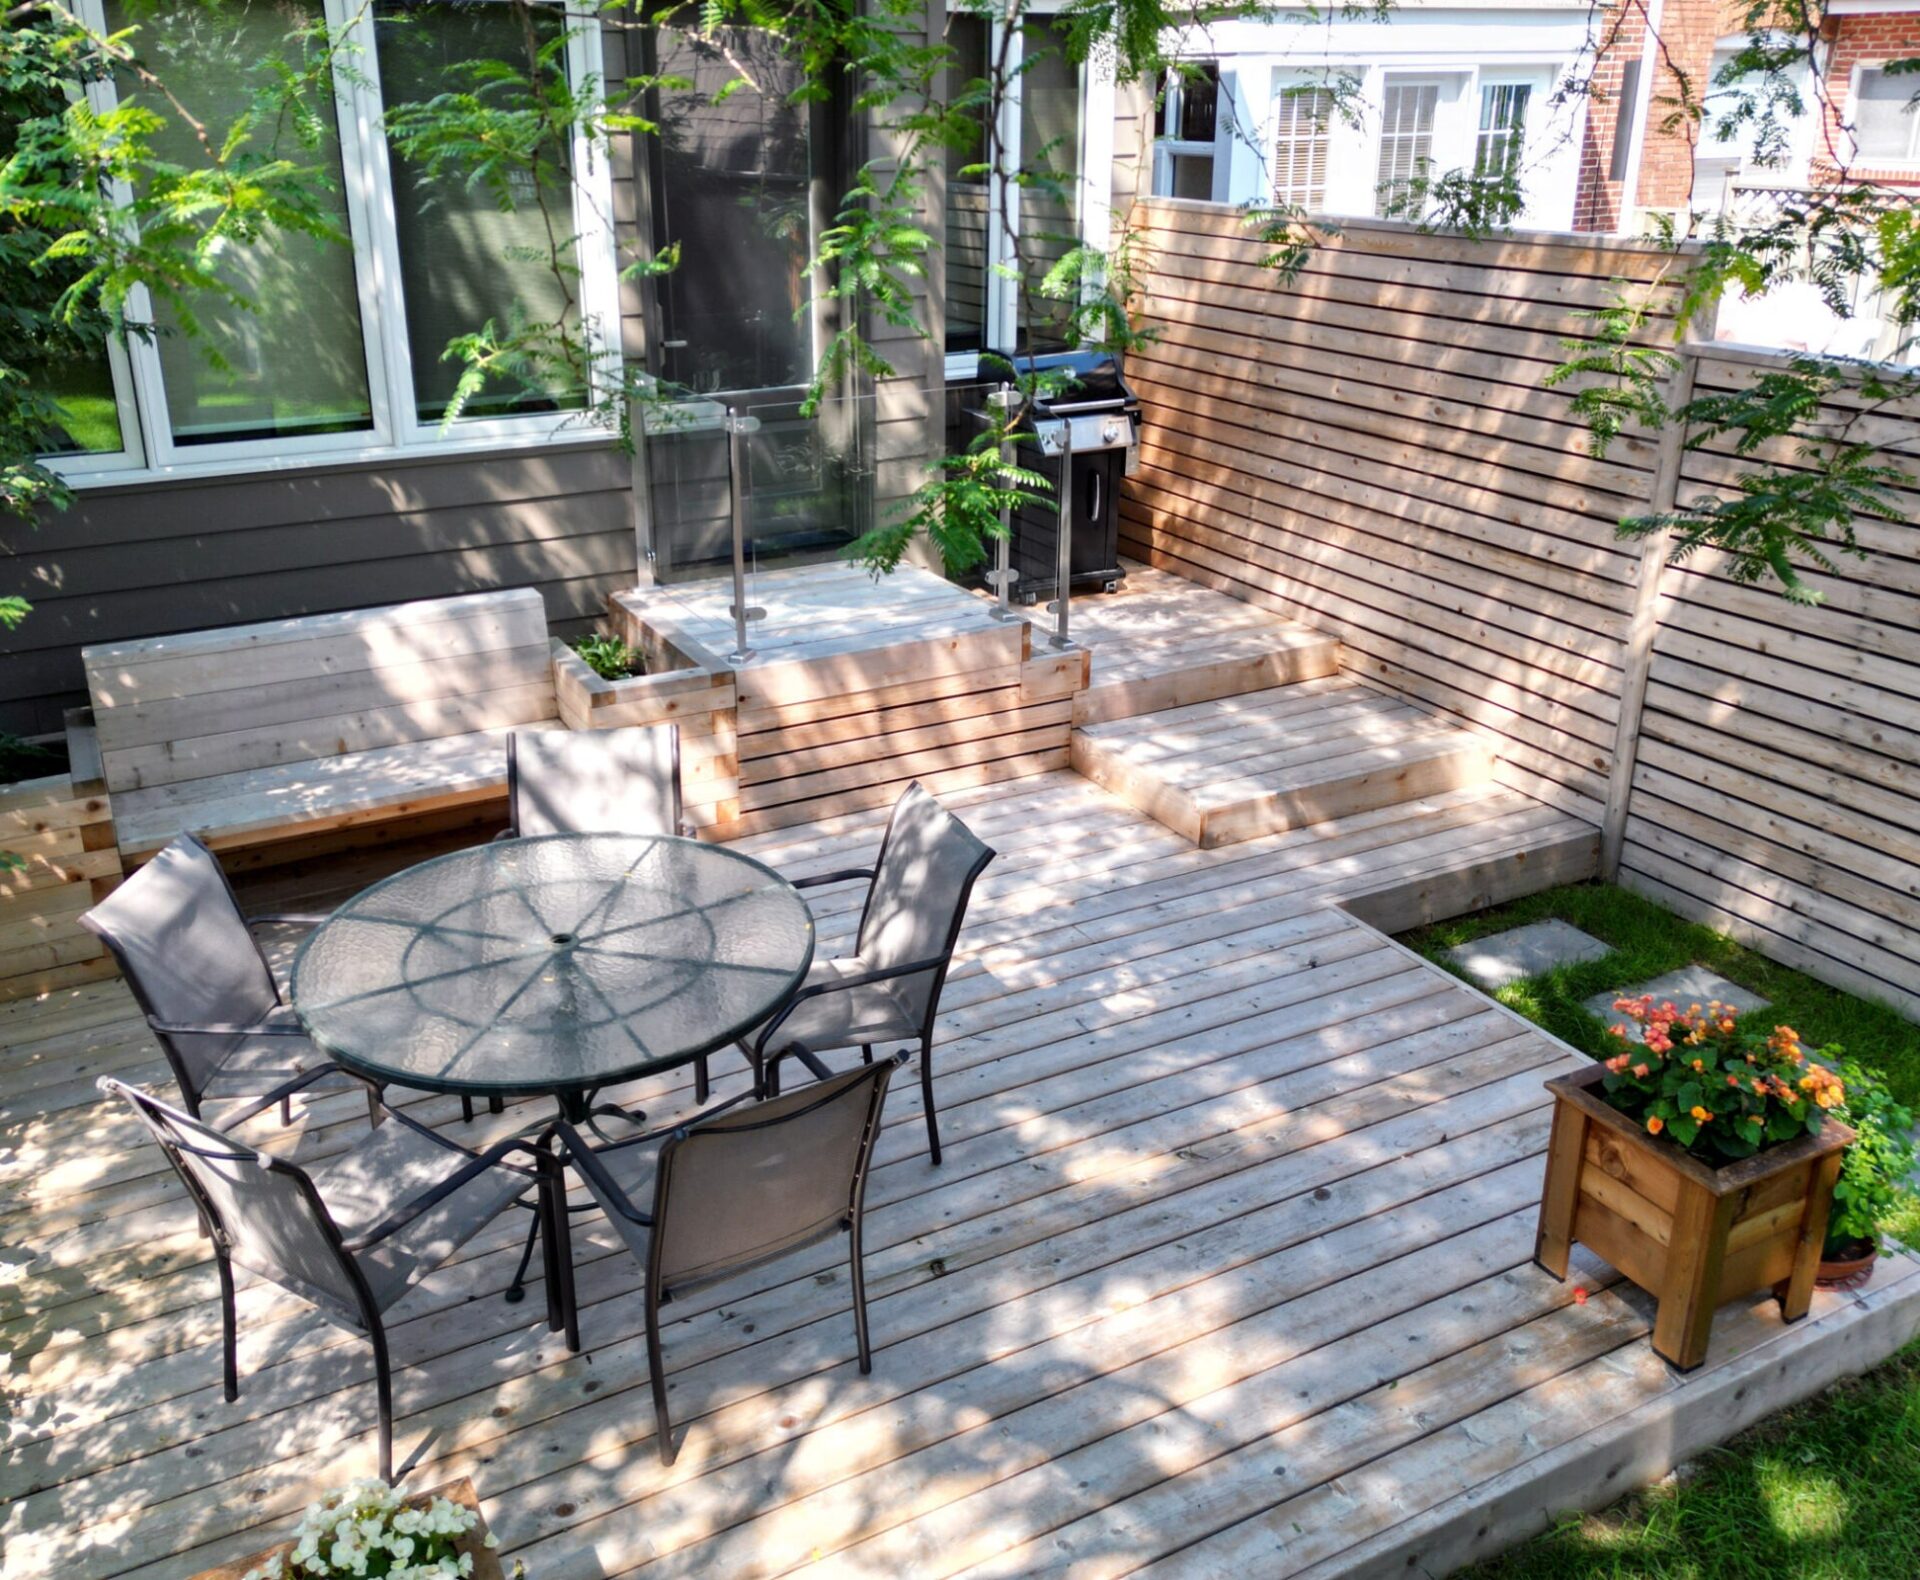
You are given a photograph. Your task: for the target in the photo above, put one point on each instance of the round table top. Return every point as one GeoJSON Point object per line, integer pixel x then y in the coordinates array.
{"type": "Point", "coordinates": [552, 964]}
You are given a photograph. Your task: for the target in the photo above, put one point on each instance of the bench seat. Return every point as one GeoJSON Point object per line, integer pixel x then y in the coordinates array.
{"type": "Point", "coordinates": [261, 805]}
{"type": "Point", "coordinates": [251, 735]}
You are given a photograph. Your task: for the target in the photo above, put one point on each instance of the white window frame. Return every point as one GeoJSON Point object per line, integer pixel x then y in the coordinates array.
{"type": "Point", "coordinates": [152, 454]}
{"type": "Point", "coordinates": [1095, 195]}
{"type": "Point", "coordinates": [1168, 149]}
{"type": "Point", "coordinates": [1296, 85]}
{"type": "Point", "coordinates": [1874, 161]}
{"type": "Point", "coordinates": [1529, 122]}
{"type": "Point", "coordinates": [1394, 75]}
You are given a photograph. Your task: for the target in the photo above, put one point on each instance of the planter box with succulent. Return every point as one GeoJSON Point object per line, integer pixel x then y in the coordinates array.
{"type": "Point", "coordinates": [372, 1530]}
{"type": "Point", "coordinates": [1701, 1166]}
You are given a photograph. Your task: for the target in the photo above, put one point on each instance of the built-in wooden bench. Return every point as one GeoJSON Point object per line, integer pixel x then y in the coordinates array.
{"type": "Point", "coordinates": [256, 734]}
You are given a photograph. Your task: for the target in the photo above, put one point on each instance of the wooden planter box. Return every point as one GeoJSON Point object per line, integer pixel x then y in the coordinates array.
{"type": "Point", "coordinates": [1692, 1236]}
{"type": "Point", "coordinates": [62, 828]}
{"type": "Point", "coordinates": [486, 1566]}
{"type": "Point", "coordinates": [699, 701]}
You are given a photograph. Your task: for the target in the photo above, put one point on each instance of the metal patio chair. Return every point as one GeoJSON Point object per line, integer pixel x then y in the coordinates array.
{"type": "Point", "coordinates": [621, 781]}
{"type": "Point", "coordinates": [888, 989]}
{"type": "Point", "coordinates": [351, 1236]}
{"type": "Point", "coordinates": [197, 972]}
{"type": "Point", "coordinates": [738, 1187]}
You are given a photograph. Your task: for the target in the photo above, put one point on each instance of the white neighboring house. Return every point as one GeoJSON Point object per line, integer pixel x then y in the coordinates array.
{"type": "Point", "coordinates": [1438, 87]}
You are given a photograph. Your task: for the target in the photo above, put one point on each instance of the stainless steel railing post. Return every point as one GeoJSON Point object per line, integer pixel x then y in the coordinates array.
{"type": "Point", "coordinates": [1063, 564]}
{"type": "Point", "coordinates": [737, 430]}
{"type": "Point", "coordinates": [1002, 577]}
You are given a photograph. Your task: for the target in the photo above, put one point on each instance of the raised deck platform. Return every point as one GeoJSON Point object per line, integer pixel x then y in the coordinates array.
{"type": "Point", "coordinates": [1164, 642]}
{"type": "Point", "coordinates": [1227, 1269]}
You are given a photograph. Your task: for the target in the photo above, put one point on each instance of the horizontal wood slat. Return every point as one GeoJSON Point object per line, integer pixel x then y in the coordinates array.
{"type": "Point", "coordinates": [1375, 454]}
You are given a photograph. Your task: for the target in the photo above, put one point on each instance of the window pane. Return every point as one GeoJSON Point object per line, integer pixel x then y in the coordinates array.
{"type": "Point", "coordinates": [1193, 176]}
{"type": "Point", "coordinates": [1884, 120]}
{"type": "Point", "coordinates": [1050, 162]}
{"type": "Point", "coordinates": [295, 363]}
{"type": "Point", "coordinates": [967, 200]}
{"type": "Point", "coordinates": [1406, 140]}
{"type": "Point", "coordinates": [1300, 147]}
{"type": "Point", "coordinates": [1199, 102]}
{"type": "Point", "coordinates": [732, 186]}
{"type": "Point", "coordinates": [476, 254]}
{"type": "Point", "coordinates": [1503, 128]}
{"type": "Point", "coordinates": [82, 394]}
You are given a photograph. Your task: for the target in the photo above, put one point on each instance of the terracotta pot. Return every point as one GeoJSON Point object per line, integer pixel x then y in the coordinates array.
{"type": "Point", "coordinates": [1850, 1267]}
{"type": "Point", "coordinates": [1691, 1235]}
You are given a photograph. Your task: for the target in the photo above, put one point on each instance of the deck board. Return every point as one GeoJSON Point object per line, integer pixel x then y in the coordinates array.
{"type": "Point", "coordinates": [1224, 1165]}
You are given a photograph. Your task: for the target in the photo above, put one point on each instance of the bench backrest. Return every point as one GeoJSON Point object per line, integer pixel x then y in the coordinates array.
{"type": "Point", "coordinates": [176, 708]}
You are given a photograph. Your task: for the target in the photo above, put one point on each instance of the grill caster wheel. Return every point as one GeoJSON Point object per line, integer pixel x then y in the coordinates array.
{"type": "Point", "coordinates": [1111, 587]}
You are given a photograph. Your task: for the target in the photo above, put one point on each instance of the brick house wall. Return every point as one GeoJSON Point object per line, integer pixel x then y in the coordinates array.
{"type": "Point", "coordinates": [1619, 38]}
{"type": "Point", "coordinates": [1857, 41]}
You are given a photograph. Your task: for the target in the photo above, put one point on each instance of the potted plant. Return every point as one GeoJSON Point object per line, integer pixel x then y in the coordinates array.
{"type": "Point", "coordinates": [1701, 1166]}
{"type": "Point", "coordinates": [370, 1529]}
{"type": "Point", "coordinates": [1874, 1189]}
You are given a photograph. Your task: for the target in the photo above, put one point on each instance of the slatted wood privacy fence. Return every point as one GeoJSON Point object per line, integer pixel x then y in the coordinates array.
{"type": "Point", "coordinates": [1371, 448]}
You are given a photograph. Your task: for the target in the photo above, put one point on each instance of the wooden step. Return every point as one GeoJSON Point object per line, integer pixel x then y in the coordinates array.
{"type": "Point", "coordinates": [1164, 642]}
{"type": "Point", "coordinates": [1232, 768]}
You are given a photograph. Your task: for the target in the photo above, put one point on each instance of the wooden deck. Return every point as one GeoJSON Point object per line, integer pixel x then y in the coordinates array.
{"type": "Point", "coordinates": [1227, 1270]}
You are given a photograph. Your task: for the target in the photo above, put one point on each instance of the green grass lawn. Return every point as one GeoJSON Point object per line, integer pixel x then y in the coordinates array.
{"type": "Point", "coordinates": [1829, 1490]}
{"type": "Point", "coordinates": [1647, 942]}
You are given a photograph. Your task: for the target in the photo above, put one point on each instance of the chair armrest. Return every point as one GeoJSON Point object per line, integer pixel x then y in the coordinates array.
{"type": "Point", "coordinates": [289, 920]}
{"type": "Point", "coordinates": [494, 1157]}
{"type": "Point", "coordinates": [504, 835]}
{"type": "Point", "coordinates": [832, 877]}
{"type": "Point", "coordinates": [586, 1159]}
{"type": "Point", "coordinates": [225, 1029]}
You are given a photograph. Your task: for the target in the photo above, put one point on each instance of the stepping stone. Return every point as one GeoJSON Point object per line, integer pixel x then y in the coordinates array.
{"type": "Point", "coordinates": [1501, 958]}
{"type": "Point", "coordinates": [1689, 985]}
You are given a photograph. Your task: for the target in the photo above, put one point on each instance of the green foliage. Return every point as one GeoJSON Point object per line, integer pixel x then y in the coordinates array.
{"type": "Point", "coordinates": [1778, 517]}
{"type": "Point", "coordinates": [1621, 379]}
{"type": "Point", "coordinates": [1874, 1197]}
{"type": "Point", "coordinates": [608, 656]}
{"type": "Point", "coordinates": [1716, 1087]}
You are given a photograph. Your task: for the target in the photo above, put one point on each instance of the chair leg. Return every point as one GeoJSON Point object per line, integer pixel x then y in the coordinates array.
{"type": "Point", "coordinates": [383, 1386]}
{"type": "Point", "coordinates": [375, 1113]}
{"type": "Point", "coordinates": [866, 1053]}
{"type": "Point", "coordinates": [517, 1289]}
{"type": "Point", "coordinates": [926, 1099]}
{"type": "Point", "coordinates": [657, 1375]}
{"type": "Point", "coordinates": [560, 1249]}
{"type": "Point", "coordinates": [858, 1262]}
{"type": "Point", "coordinates": [229, 1329]}
{"type": "Point", "coordinates": [286, 1111]}
{"type": "Point", "coordinates": [702, 1082]}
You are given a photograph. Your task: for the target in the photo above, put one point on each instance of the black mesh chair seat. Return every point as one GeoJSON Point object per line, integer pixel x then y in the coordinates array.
{"type": "Point", "coordinates": [280, 1052]}
{"type": "Point", "coordinates": [737, 1187]}
{"type": "Point", "coordinates": [396, 1164]}
{"type": "Point", "coordinates": [832, 1014]}
{"type": "Point", "coordinates": [350, 1237]}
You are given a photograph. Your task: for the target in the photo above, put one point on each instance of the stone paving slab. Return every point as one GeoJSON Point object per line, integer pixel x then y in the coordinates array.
{"type": "Point", "coordinates": [1689, 985]}
{"type": "Point", "coordinates": [1502, 958]}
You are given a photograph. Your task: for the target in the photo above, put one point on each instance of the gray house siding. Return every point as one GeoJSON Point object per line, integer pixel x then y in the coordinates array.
{"type": "Point", "coordinates": [144, 560]}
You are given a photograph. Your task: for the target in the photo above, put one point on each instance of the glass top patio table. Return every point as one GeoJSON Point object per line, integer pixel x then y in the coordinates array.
{"type": "Point", "coordinates": [552, 965]}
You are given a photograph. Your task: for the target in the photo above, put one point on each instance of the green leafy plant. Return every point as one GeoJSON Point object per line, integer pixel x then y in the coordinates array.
{"type": "Point", "coordinates": [1875, 1191]}
{"type": "Point", "coordinates": [1717, 1090]}
{"type": "Point", "coordinates": [608, 657]}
